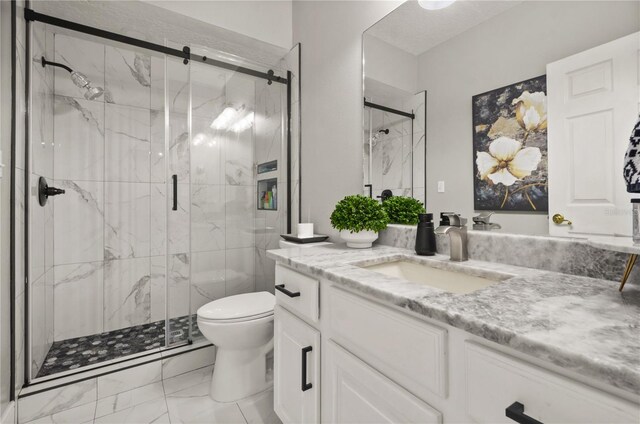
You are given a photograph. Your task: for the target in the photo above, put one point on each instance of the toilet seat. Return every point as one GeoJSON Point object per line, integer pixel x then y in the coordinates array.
{"type": "Point", "coordinates": [238, 308]}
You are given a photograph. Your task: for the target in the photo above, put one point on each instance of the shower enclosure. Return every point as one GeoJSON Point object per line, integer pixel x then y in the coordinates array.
{"type": "Point", "coordinates": [174, 175]}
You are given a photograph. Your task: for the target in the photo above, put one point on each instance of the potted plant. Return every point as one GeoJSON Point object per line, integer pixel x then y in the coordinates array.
{"type": "Point", "coordinates": [359, 219]}
{"type": "Point", "coordinates": [403, 210]}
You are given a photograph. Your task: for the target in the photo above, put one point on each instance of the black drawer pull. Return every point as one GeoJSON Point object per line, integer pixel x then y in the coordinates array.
{"type": "Point", "coordinates": [281, 288]}
{"type": "Point", "coordinates": [516, 413]}
{"type": "Point", "coordinates": [305, 386]}
{"type": "Point", "coordinates": [174, 178]}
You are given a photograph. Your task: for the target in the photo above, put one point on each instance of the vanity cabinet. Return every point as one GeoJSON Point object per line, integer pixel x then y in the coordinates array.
{"type": "Point", "coordinates": [296, 379]}
{"type": "Point", "coordinates": [380, 364]}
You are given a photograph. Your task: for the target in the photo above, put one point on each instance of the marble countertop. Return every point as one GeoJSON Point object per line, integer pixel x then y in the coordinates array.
{"type": "Point", "coordinates": [617, 244]}
{"type": "Point", "coordinates": [581, 324]}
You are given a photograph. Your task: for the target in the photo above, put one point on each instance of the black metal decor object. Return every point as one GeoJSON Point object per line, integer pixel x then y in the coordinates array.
{"type": "Point", "coordinates": [515, 411]}
{"type": "Point", "coordinates": [174, 178]}
{"type": "Point", "coordinates": [185, 53]}
{"type": "Point", "coordinates": [46, 62]}
{"type": "Point", "coordinates": [280, 288]}
{"type": "Point", "coordinates": [386, 194]}
{"type": "Point", "coordinates": [305, 386]}
{"type": "Point", "coordinates": [370, 187]}
{"type": "Point", "coordinates": [388, 109]}
{"type": "Point", "coordinates": [44, 191]}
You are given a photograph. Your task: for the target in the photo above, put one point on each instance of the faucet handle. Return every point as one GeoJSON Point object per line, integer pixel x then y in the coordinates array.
{"type": "Point", "coordinates": [455, 220]}
{"type": "Point", "coordinates": [483, 218]}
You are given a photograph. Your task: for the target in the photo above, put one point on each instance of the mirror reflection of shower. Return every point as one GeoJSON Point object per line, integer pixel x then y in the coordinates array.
{"type": "Point", "coordinates": [92, 92]}
{"type": "Point", "coordinates": [377, 136]}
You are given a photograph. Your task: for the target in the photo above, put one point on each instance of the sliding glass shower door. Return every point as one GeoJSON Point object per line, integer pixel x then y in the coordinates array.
{"type": "Point", "coordinates": [172, 181]}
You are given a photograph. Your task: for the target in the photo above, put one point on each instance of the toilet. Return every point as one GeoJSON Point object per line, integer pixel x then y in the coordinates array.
{"type": "Point", "coordinates": [241, 328]}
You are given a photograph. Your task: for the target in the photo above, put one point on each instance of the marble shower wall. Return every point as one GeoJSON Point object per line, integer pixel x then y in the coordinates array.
{"type": "Point", "coordinates": [102, 158]}
{"type": "Point", "coordinates": [397, 164]}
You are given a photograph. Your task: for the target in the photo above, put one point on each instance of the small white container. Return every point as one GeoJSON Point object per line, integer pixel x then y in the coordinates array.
{"type": "Point", "coordinates": [305, 230]}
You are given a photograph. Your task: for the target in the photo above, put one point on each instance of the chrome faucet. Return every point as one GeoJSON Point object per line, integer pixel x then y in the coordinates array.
{"type": "Point", "coordinates": [483, 222]}
{"type": "Point", "coordinates": [457, 231]}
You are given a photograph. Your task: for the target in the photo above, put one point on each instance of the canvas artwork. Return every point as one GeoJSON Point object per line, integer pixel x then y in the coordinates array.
{"type": "Point", "coordinates": [510, 148]}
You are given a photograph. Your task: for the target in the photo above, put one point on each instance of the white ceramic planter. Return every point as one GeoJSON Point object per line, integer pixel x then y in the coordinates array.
{"type": "Point", "coordinates": [361, 240]}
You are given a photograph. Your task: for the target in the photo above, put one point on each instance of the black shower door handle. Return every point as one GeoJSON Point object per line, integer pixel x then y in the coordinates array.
{"type": "Point", "coordinates": [174, 177]}
{"type": "Point", "coordinates": [515, 411]}
{"type": "Point", "coordinates": [280, 288]}
{"type": "Point", "coordinates": [305, 386]}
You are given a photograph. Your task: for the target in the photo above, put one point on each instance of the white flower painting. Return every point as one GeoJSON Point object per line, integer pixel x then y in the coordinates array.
{"type": "Point", "coordinates": [510, 148]}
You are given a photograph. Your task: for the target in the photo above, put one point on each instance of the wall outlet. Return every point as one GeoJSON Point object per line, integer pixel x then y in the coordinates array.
{"type": "Point", "coordinates": [440, 186]}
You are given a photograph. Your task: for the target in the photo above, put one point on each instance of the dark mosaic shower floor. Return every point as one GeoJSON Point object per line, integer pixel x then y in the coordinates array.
{"type": "Point", "coordinates": [70, 354]}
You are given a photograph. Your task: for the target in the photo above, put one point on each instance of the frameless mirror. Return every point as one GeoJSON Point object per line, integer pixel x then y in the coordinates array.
{"type": "Point", "coordinates": [527, 108]}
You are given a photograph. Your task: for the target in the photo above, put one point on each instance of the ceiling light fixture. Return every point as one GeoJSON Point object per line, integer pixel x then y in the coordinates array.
{"type": "Point", "coordinates": [435, 4]}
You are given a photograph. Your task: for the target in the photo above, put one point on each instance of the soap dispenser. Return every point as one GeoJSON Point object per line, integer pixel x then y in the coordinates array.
{"type": "Point", "coordinates": [425, 236]}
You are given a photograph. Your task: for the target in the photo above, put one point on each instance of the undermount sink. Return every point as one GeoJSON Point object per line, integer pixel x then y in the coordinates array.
{"type": "Point", "coordinates": [451, 281]}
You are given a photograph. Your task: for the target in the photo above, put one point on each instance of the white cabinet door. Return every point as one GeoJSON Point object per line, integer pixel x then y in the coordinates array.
{"type": "Point", "coordinates": [296, 369]}
{"type": "Point", "coordinates": [592, 107]}
{"type": "Point", "coordinates": [356, 393]}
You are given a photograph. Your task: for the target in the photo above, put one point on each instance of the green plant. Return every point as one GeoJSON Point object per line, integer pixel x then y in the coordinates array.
{"type": "Point", "coordinates": [359, 213]}
{"type": "Point", "coordinates": [403, 210]}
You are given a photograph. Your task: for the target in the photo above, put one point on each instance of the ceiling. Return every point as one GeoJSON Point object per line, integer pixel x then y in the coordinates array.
{"type": "Point", "coordinates": [416, 30]}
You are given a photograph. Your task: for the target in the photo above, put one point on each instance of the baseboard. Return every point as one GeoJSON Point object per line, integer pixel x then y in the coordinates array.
{"type": "Point", "coordinates": [9, 416]}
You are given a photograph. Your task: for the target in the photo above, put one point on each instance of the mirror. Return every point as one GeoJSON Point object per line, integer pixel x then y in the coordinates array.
{"type": "Point", "coordinates": [522, 109]}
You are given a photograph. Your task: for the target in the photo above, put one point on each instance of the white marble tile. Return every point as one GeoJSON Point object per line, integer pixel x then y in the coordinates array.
{"type": "Point", "coordinates": [178, 285]}
{"type": "Point", "coordinates": [177, 85]}
{"type": "Point", "coordinates": [56, 400]}
{"type": "Point", "coordinates": [207, 152]}
{"type": "Point", "coordinates": [158, 212]}
{"type": "Point", "coordinates": [239, 158]}
{"type": "Point", "coordinates": [240, 212]}
{"type": "Point", "coordinates": [258, 409]}
{"type": "Point", "coordinates": [179, 220]}
{"type": "Point", "coordinates": [179, 147]}
{"type": "Point", "coordinates": [188, 361]}
{"type": "Point", "coordinates": [193, 405]}
{"type": "Point", "coordinates": [129, 379]}
{"type": "Point", "coordinates": [157, 83]}
{"type": "Point", "coordinates": [127, 146]}
{"type": "Point", "coordinates": [37, 331]}
{"type": "Point", "coordinates": [42, 141]}
{"type": "Point", "coordinates": [157, 172]}
{"type": "Point", "coordinates": [188, 379]}
{"type": "Point", "coordinates": [265, 271]}
{"type": "Point", "coordinates": [207, 217]}
{"type": "Point", "coordinates": [127, 293]}
{"type": "Point", "coordinates": [78, 415]}
{"type": "Point", "coordinates": [207, 278]}
{"type": "Point", "coordinates": [126, 220]}
{"type": "Point", "coordinates": [153, 411]}
{"type": "Point", "coordinates": [239, 271]}
{"type": "Point", "coordinates": [158, 287]}
{"type": "Point", "coordinates": [78, 300]}
{"type": "Point", "coordinates": [127, 77]}
{"type": "Point", "coordinates": [49, 224]}
{"type": "Point", "coordinates": [208, 90]}
{"type": "Point", "coordinates": [79, 139]}
{"type": "Point", "coordinates": [124, 400]}
{"type": "Point", "coordinates": [82, 56]}
{"type": "Point", "coordinates": [79, 221]}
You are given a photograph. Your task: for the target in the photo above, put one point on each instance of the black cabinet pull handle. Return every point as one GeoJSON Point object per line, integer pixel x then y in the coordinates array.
{"type": "Point", "coordinates": [305, 386]}
{"type": "Point", "coordinates": [281, 289]}
{"type": "Point", "coordinates": [516, 412]}
{"type": "Point", "coordinates": [174, 177]}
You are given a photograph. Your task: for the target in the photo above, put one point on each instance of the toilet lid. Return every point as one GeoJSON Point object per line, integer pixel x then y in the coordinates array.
{"type": "Point", "coordinates": [248, 305]}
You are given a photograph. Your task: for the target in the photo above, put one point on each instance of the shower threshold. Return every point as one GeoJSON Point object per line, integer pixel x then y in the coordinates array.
{"type": "Point", "coordinates": [72, 354]}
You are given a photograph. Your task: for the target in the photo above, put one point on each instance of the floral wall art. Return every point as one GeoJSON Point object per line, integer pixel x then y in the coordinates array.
{"type": "Point", "coordinates": [510, 148]}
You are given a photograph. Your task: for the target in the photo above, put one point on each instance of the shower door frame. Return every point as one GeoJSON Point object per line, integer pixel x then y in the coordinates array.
{"type": "Point", "coordinates": [185, 54]}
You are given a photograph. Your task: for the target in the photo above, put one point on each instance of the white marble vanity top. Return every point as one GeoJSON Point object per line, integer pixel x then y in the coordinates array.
{"type": "Point", "coordinates": [581, 324]}
{"type": "Point", "coordinates": [617, 244]}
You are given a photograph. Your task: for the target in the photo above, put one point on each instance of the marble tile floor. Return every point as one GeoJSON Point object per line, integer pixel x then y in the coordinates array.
{"type": "Point", "coordinates": [75, 353]}
{"type": "Point", "coordinates": [180, 399]}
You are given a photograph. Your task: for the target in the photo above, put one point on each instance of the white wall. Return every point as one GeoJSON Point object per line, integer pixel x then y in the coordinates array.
{"type": "Point", "coordinates": [268, 21]}
{"type": "Point", "coordinates": [331, 36]}
{"type": "Point", "coordinates": [390, 65]}
{"type": "Point", "coordinates": [499, 52]}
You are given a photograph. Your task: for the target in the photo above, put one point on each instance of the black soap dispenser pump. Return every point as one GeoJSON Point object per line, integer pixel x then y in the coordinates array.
{"type": "Point", "coordinates": [425, 236]}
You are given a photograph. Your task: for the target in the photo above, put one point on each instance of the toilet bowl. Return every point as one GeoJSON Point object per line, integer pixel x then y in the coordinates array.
{"type": "Point", "coordinates": [241, 328]}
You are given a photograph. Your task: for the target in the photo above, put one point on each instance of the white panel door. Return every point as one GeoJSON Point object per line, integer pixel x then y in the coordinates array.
{"type": "Point", "coordinates": [593, 100]}
{"type": "Point", "coordinates": [357, 393]}
{"type": "Point", "coordinates": [296, 391]}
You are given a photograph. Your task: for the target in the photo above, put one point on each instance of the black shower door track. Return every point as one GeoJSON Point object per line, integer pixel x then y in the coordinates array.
{"type": "Point", "coordinates": [185, 53]}
{"type": "Point", "coordinates": [388, 109]}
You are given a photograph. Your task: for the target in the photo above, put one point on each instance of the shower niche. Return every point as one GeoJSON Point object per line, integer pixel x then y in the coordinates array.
{"type": "Point", "coordinates": [114, 270]}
